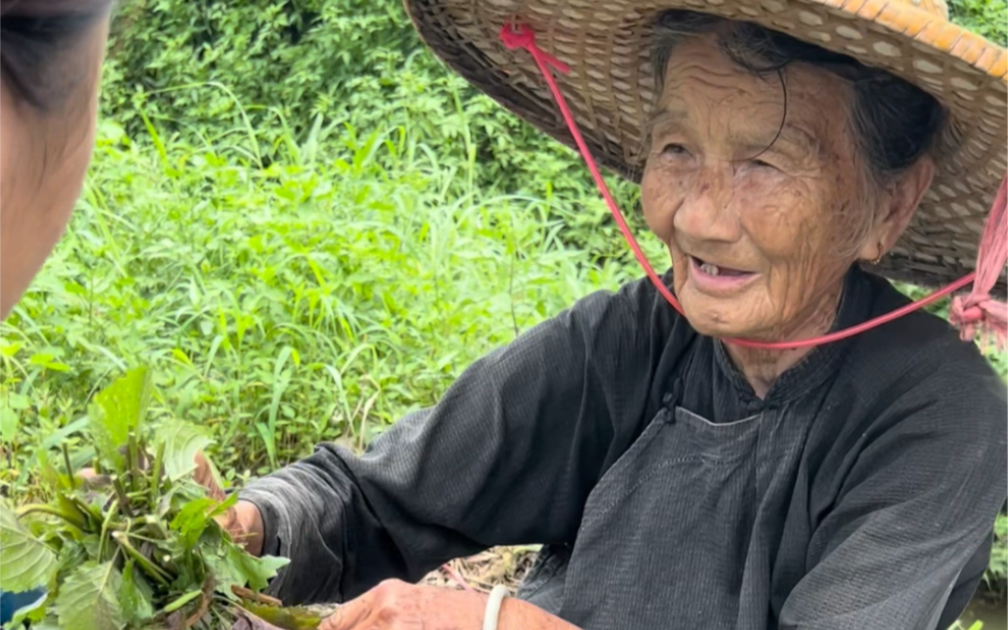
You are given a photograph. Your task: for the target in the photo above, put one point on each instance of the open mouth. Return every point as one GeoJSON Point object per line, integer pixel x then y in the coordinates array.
{"type": "Point", "coordinates": [714, 271]}
{"type": "Point", "coordinates": [718, 280]}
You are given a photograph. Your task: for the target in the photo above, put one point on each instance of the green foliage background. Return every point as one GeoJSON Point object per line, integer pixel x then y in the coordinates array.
{"type": "Point", "coordinates": [289, 61]}
{"type": "Point", "coordinates": [307, 226]}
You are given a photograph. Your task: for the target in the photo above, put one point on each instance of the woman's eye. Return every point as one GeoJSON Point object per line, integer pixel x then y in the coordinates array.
{"type": "Point", "coordinates": [675, 149]}
{"type": "Point", "coordinates": [762, 164]}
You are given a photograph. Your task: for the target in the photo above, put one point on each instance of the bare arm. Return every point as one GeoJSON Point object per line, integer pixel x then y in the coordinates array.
{"type": "Point", "coordinates": [519, 615]}
{"type": "Point", "coordinates": [396, 605]}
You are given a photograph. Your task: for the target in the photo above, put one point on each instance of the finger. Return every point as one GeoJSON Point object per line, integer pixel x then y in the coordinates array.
{"type": "Point", "coordinates": [90, 479]}
{"type": "Point", "coordinates": [244, 524]}
{"type": "Point", "coordinates": [204, 476]}
{"type": "Point", "coordinates": [351, 615]}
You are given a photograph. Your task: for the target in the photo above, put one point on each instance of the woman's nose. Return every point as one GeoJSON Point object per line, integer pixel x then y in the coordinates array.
{"type": "Point", "coordinates": [707, 212]}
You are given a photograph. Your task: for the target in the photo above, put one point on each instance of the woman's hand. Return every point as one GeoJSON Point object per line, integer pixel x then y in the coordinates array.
{"type": "Point", "coordinates": [396, 605]}
{"type": "Point", "coordinates": [243, 521]}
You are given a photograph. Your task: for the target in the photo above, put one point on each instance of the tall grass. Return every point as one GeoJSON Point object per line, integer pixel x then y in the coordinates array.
{"type": "Point", "coordinates": [317, 297]}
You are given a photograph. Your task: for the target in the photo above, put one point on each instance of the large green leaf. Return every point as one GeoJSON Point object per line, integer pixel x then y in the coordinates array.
{"type": "Point", "coordinates": [118, 410]}
{"type": "Point", "coordinates": [234, 567]}
{"type": "Point", "coordinates": [89, 598]}
{"type": "Point", "coordinates": [26, 563]}
{"type": "Point", "coordinates": [224, 575]}
{"type": "Point", "coordinates": [135, 597]}
{"type": "Point", "coordinates": [285, 618]}
{"type": "Point", "coordinates": [192, 520]}
{"type": "Point", "coordinates": [255, 572]}
{"type": "Point", "coordinates": [181, 443]}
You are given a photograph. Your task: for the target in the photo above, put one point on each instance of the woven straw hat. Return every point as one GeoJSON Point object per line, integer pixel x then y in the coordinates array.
{"type": "Point", "coordinates": [611, 85]}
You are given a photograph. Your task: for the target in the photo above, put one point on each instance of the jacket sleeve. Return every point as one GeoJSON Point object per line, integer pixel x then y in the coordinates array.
{"type": "Point", "coordinates": [507, 456]}
{"type": "Point", "coordinates": [908, 538]}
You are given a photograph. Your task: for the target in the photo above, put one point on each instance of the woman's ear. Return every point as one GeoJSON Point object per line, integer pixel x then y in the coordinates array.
{"type": "Point", "coordinates": [898, 204]}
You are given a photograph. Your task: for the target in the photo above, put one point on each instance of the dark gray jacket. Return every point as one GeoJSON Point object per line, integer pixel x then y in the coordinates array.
{"type": "Point", "coordinates": [859, 494]}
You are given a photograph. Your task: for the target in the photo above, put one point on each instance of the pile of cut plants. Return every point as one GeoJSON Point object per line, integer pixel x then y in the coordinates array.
{"type": "Point", "coordinates": [133, 544]}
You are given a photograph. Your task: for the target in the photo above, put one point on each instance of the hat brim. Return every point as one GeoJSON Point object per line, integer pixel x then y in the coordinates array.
{"type": "Point", "coordinates": [610, 88]}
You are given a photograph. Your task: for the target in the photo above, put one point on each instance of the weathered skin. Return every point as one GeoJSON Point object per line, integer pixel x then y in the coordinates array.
{"type": "Point", "coordinates": [796, 211]}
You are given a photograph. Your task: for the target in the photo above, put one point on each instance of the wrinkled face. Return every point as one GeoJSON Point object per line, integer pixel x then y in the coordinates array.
{"type": "Point", "coordinates": [44, 156]}
{"type": "Point", "coordinates": [762, 220]}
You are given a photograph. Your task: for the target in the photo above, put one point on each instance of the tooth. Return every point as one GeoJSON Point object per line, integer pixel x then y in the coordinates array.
{"type": "Point", "coordinates": [710, 270]}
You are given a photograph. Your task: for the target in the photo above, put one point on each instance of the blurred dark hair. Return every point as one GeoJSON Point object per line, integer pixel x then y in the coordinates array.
{"type": "Point", "coordinates": [37, 41]}
{"type": "Point", "coordinates": [894, 122]}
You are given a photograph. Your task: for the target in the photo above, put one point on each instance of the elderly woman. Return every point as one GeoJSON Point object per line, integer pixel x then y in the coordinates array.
{"type": "Point", "coordinates": [677, 476]}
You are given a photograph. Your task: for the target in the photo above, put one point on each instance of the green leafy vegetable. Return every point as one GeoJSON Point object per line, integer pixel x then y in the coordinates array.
{"type": "Point", "coordinates": [117, 411]}
{"type": "Point", "coordinates": [26, 563]}
{"type": "Point", "coordinates": [89, 598]}
{"type": "Point", "coordinates": [135, 596]}
{"type": "Point", "coordinates": [134, 546]}
{"type": "Point", "coordinates": [181, 443]}
{"type": "Point", "coordinates": [256, 572]}
{"type": "Point", "coordinates": [287, 618]}
{"type": "Point", "coordinates": [192, 520]}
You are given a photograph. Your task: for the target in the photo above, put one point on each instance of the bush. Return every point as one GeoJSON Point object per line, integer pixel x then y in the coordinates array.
{"type": "Point", "coordinates": [356, 60]}
{"type": "Point", "coordinates": [986, 17]}
{"type": "Point", "coordinates": [200, 66]}
{"type": "Point", "coordinates": [204, 71]}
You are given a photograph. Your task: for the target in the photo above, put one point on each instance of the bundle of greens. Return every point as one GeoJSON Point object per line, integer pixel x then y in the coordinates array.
{"type": "Point", "coordinates": [135, 545]}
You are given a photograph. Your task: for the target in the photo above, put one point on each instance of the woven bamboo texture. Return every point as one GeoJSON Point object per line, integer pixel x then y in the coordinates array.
{"type": "Point", "coordinates": [611, 89]}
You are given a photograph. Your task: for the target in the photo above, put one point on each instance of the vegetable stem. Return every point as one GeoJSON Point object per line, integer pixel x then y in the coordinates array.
{"type": "Point", "coordinates": [45, 509]}
{"type": "Point", "coordinates": [148, 567]}
{"type": "Point", "coordinates": [69, 468]}
{"type": "Point", "coordinates": [124, 501]}
{"type": "Point", "coordinates": [113, 509]}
